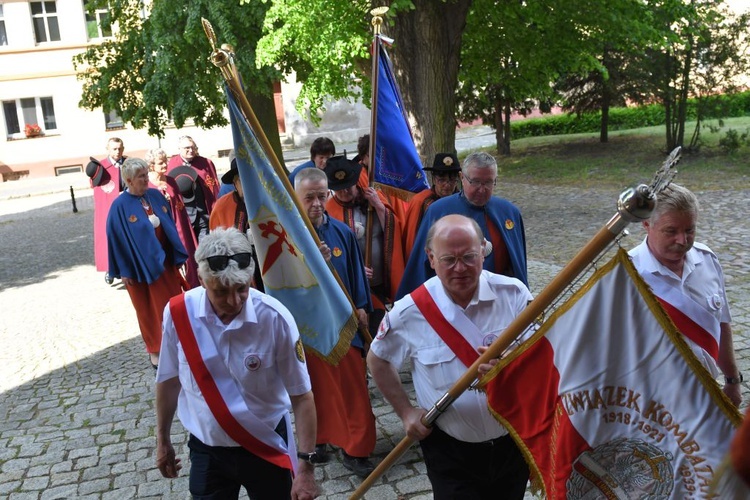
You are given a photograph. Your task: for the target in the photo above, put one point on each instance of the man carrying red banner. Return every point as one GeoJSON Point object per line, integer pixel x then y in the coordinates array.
{"type": "Point", "coordinates": [439, 327]}
{"type": "Point", "coordinates": [688, 280]}
{"type": "Point", "coordinates": [231, 363]}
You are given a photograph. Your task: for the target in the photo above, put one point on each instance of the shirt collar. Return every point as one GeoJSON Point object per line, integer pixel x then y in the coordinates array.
{"type": "Point", "coordinates": [484, 292]}
{"type": "Point", "coordinates": [246, 315]}
{"type": "Point", "coordinates": [651, 265]}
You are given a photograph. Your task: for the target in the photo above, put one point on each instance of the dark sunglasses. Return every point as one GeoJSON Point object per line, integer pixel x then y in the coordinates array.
{"type": "Point", "coordinates": [220, 262]}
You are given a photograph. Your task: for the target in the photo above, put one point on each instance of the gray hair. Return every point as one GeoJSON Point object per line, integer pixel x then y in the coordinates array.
{"type": "Point", "coordinates": [675, 198]}
{"type": "Point", "coordinates": [153, 154]}
{"type": "Point", "coordinates": [132, 166]}
{"type": "Point", "coordinates": [478, 160]}
{"type": "Point", "coordinates": [438, 224]}
{"type": "Point", "coordinates": [309, 174]}
{"type": "Point", "coordinates": [221, 241]}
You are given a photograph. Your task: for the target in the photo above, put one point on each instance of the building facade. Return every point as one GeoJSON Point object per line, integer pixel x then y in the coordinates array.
{"type": "Point", "coordinates": [43, 132]}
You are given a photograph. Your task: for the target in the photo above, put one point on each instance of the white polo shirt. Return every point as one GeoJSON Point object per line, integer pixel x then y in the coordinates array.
{"type": "Point", "coordinates": [702, 280]}
{"type": "Point", "coordinates": [258, 347]}
{"type": "Point", "coordinates": [405, 333]}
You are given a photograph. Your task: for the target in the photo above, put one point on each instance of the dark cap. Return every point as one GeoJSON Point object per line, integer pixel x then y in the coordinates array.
{"type": "Point", "coordinates": [228, 177]}
{"type": "Point", "coordinates": [342, 173]}
{"type": "Point", "coordinates": [185, 177]}
{"type": "Point", "coordinates": [444, 163]}
{"type": "Point", "coordinates": [95, 170]}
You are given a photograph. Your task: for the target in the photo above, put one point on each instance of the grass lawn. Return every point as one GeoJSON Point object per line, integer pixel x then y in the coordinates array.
{"type": "Point", "coordinates": [630, 157]}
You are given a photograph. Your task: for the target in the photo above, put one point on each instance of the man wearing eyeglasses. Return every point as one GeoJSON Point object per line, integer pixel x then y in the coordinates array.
{"type": "Point", "coordinates": [499, 219]}
{"type": "Point", "coordinates": [445, 169]}
{"type": "Point", "coordinates": [440, 327]}
{"type": "Point", "coordinates": [200, 198]}
{"type": "Point", "coordinates": [231, 364]}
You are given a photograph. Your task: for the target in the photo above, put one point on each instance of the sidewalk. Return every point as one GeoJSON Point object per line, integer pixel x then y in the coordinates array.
{"type": "Point", "coordinates": [467, 139]}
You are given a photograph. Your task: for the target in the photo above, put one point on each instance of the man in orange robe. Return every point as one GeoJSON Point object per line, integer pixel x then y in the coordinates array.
{"type": "Point", "coordinates": [445, 169]}
{"type": "Point", "coordinates": [349, 204]}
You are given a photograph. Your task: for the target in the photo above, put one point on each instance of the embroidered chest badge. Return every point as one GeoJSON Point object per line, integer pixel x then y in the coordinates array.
{"type": "Point", "coordinates": [164, 209]}
{"type": "Point", "coordinates": [488, 339]}
{"type": "Point", "coordinates": [337, 252]}
{"type": "Point", "coordinates": [252, 362]}
{"type": "Point", "coordinates": [133, 218]}
{"type": "Point", "coordinates": [299, 351]}
{"type": "Point", "coordinates": [509, 224]}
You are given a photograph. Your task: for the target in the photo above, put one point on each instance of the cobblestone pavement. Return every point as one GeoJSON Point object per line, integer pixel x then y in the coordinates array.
{"type": "Point", "coordinates": [76, 389]}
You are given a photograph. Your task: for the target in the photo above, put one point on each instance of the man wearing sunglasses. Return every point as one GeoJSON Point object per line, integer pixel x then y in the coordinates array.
{"type": "Point", "coordinates": [499, 219]}
{"type": "Point", "coordinates": [231, 364]}
{"type": "Point", "coordinates": [440, 327]}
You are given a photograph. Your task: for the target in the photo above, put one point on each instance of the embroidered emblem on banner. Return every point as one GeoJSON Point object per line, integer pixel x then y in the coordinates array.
{"type": "Point", "coordinates": [509, 224]}
{"type": "Point", "coordinates": [299, 351]}
{"type": "Point", "coordinates": [623, 468]}
{"type": "Point", "coordinates": [252, 362]}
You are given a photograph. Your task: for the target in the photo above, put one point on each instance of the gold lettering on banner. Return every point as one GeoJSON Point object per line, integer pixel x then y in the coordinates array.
{"type": "Point", "coordinates": [653, 422]}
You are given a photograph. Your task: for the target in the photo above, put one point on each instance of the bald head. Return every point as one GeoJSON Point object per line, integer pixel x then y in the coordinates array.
{"type": "Point", "coordinates": [455, 224]}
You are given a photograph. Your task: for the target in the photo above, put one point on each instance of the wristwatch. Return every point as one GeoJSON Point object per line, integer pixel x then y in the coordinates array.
{"type": "Point", "coordinates": [310, 457]}
{"type": "Point", "coordinates": [734, 380]}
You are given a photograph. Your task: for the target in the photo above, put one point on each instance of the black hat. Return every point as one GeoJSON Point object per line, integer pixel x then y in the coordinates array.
{"type": "Point", "coordinates": [95, 170]}
{"type": "Point", "coordinates": [444, 163]}
{"type": "Point", "coordinates": [342, 173]}
{"type": "Point", "coordinates": [185, 177]}
{"type": "Point", "coordinates": [228, 177]}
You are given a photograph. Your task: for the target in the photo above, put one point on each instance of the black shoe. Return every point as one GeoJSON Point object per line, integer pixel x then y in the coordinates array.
{"type": "Point", "coordinates": [361, 466]}
{"type": "Point", "coordinates": [321, 454]}
{"type": "Point", "coordinates": [108, 279]}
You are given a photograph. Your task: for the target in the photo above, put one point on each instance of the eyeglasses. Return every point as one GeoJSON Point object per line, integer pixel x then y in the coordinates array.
{"type": "Point", "coordinates": [220, 262]}
{"type": "Point", "coordinates": [470, 259]}
{"type": "Point", "coordinates": [482, 184]}
{"type": "Point", "coordinates": [445, 180]}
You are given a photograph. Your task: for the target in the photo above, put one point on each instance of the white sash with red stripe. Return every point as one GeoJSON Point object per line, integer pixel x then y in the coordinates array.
{"type": "Point", "coordinates": [222, 394]}
{"type": "Point", "coordinates": [709, 335]}
{"type": "Point", "coordinates": [448, 320]}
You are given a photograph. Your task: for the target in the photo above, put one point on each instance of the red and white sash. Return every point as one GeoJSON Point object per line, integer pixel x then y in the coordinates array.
{"type": "Point", "coordinates": [224, 398]}
{"type": "Point", "coordinates": [690, 318]}
{"type": "Point", "coordinates": [443, 324]}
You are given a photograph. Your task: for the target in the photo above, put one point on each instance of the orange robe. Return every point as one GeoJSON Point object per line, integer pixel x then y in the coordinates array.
{"type": "Point", "coordinates": [417, 207]}
{"type": "Point", "coordinates": [398, 205]}
{"type": "Point", "coordinates": [393, 254]}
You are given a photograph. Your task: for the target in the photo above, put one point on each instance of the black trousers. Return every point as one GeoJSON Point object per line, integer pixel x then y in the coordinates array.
{"type": "Point", "coordinates": [217, 472]}
{"type": "Point", "coordinates": [459, 470]}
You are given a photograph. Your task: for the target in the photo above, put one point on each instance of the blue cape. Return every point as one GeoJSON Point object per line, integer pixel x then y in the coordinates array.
{"type": "Point", "coordinates": [349, 264]}
{"type": "Point", "coordinates": [504, 215]}
{"type": "Point", "coordinates": [134, 250]}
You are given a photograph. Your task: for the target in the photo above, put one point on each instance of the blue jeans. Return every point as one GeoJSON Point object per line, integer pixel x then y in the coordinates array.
{"type": "Point", "coordinates": [217, 472]}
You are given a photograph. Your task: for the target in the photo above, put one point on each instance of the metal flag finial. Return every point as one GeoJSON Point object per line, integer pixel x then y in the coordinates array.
{"type": "Point", "coordinates": [377, 18]}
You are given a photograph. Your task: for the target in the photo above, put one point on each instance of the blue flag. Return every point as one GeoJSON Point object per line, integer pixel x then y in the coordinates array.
{"type": "Point", "coordinates": [397, 163]}
{"type": "Point", "coordinates": [294, 271]}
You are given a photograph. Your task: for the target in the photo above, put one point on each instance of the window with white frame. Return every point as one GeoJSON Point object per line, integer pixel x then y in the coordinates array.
{"type": "Point", "coordinates": [3, 34]}
{"type": "Point", "coordinates": [98, 22]}
{"type": "Point", "coordinates": [44, 18]}
{"type": "Point", "coordinates": [29, 111]}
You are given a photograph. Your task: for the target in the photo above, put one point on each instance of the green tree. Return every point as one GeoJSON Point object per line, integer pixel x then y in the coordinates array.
{"type": "Point", "coordinates": [703, 50]}
{"type": "Point", "coordinates": [326, 42]}
{"type": "Point", "coordinates": [155, 70]}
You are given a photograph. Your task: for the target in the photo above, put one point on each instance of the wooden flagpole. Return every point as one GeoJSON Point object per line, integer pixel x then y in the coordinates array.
{"type": "Point", "coordinates": [377, 22]}
{"type": "Point", "coordinates": [223, 58]}
{"type": "Point", "coordinates": [634, 204]}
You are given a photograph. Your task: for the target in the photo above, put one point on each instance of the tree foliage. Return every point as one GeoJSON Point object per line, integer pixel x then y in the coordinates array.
{"type": "Point", "coordinates": [155, 70]}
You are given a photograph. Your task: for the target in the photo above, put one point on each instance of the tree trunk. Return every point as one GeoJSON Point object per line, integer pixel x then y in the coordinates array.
{"type": "Point", "coordinates": [261, 99]}
{"type": "Point", "coordinates": [506, 133]}
{"type": "Point", "coordinates": [604, 126]}
{"type": "Point", "coordinates": [499, 126]}
{"type": "Point", "coordinates": [426, 58]}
